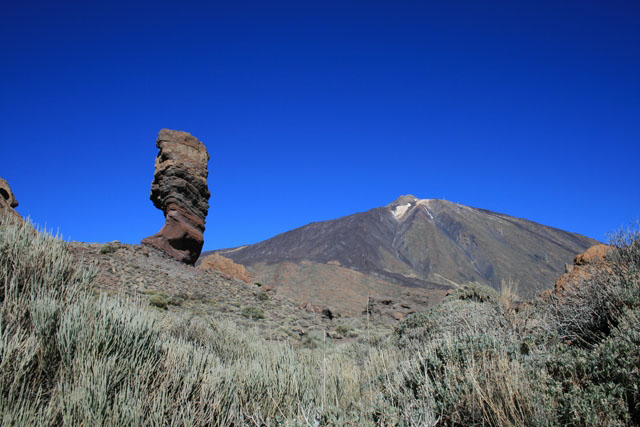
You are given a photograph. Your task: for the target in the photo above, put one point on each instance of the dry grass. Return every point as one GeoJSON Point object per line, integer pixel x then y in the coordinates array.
{"type": "Point", "coordinates": [69, 357]}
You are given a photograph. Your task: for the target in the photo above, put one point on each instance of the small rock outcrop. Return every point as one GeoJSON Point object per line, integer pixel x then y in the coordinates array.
{"type": "Point", "coordinates": [180, 190]}
{"type": "Point", "coordinates": [579, 271]}
{"type": "Point", "coordinates": [225, 266]}
{"type": "Point", "coordinates": [8, 200]}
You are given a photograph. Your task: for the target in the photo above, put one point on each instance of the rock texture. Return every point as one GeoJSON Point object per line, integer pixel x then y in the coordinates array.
{"type": "Point", "coordinates": [581, 270]}
{"type": "Point", "coordinates": [8, 200]}
{"type": "Point", "coordinates": [180, 190]}
{"type": "Point", "coordinates": [225, 266]}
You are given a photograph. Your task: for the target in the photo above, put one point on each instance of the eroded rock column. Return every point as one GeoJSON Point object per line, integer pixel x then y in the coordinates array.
{"type": "Point", "coordinates": [180, 190]}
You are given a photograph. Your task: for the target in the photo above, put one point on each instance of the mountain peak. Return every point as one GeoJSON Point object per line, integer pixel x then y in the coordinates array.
{"type": "Point", "coordinates": [404, 200]}
{"type": "Point", "coordinates": [404, 204]}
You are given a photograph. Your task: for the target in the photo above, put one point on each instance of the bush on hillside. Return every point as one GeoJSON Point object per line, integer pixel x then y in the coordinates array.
{"type": "Point", "coordinates": [474, 291]}
{"type": "Point", "coordinates": [472, 309]}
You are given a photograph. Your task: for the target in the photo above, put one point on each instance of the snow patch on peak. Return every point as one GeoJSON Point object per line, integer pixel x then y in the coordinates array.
{"type": "Point", "coordinates": [426, 209]}
{"type": "Point", "coordinates": [399, 211]}
{"type": "Point", "coordinates": [404, 204]}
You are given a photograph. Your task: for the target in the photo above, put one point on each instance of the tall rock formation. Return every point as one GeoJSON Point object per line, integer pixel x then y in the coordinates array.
{"type": "Point", "coordinates": [180, 190]}
{"type": "Point", "coordinates": [8, 200]}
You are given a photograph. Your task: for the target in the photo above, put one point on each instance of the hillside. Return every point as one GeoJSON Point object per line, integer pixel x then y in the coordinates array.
{"type": "Point", "coordinates": [76, 350]}
{"type": "Point", "coordinates": [420, 247]}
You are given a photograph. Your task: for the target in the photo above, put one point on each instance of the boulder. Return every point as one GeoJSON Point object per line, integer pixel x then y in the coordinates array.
{"type": "Point", "coordinates": [581, 270]}
{"type": "Point", "coordinates": [226, 266]}
{"type": "Point", "coordinates": [8, 201]}
{"type": "Point", "coordinates": [180, 190]}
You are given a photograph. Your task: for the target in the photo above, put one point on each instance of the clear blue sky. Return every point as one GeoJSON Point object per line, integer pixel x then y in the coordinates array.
{"type": "Point", "coordinates": [316, 110]}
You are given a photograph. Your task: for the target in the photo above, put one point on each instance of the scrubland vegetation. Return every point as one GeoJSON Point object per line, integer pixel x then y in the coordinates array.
{"type": "Point", "coordinates": [71, 357]}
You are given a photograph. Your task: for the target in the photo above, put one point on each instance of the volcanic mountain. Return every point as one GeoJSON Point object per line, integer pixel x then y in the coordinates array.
{"type": "Point", "coordinates": [412, 249]}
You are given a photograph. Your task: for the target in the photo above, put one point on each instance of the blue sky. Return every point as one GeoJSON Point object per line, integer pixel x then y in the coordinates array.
{"type": "Point", "coordinates": [316, 110]}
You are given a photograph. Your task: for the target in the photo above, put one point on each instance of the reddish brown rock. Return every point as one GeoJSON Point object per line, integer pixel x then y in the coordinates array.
{"type": "Point", "coordinates": [180, 190]}
{"type": "Point", "coordinates": [397, 315]}
{"type": "Point", "coordinates": [581, 269]}
{"type": "Point", "coordinates": [592, 255]}
{"type": "Point", "coordinates": [8, 201]}
{"type": "Point", "coordinates": [226, 266]}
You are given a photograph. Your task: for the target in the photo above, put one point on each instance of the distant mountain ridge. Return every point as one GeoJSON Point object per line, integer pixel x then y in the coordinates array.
{"type": "Point", "coordinates": [427, 245]}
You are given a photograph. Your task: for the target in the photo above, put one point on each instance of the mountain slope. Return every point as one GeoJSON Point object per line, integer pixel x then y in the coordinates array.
{"type": "Point", "coordinates": [423, 247]}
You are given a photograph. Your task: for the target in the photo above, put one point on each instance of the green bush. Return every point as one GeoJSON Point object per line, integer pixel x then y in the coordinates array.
{"type": "Point", "coordinates": [454, 317]}
{"type": "Point", "coordinates": [253, 313]}
{"type": "Point", "coordinates": [474, 292]}
{"type": "Point", "coordinates": [159, 301]}
{"type": "Point", "coordinates": [107, 249]}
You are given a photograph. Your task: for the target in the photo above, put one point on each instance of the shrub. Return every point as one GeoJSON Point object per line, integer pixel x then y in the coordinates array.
{"type": "Point", "coordinates": [454, 317]}
{"type": "Point", "coordinates": [107, 249]}
{"type": "Point", "coordinates": [594, 365]}
{"type": "Point", "coordinates": [474, 292]}
{"type": "Point", "coordinates": [473, 379]}
{"type": "Point", "coordinates": [588, 311]}
{"type": "Point", "coordinates": [344, 330]}
{"type": "Point", "coordinates": [159, 301]}
{"type": "Point", "coordinates": [253, 313]}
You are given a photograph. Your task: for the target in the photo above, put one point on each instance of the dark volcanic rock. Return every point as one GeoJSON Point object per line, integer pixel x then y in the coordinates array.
{"type": "Point", "coordinates": [180, 190]}
{"type": "Point", "coordinates": [8, 200]}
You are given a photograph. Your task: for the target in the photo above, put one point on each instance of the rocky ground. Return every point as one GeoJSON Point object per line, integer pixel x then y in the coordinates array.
{"type": "Point", "coordinates": [138, 271]}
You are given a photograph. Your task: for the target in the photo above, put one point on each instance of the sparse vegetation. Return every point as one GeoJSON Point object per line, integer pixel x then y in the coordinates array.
{"type": "Point", "coordinates": [159, 301]}
{"type": "Point", "coordinates": [253, 313]}
{"type": "Point", "coordinates": [107, 248]}
{"type": "Point", "coordinates": [69, 357]}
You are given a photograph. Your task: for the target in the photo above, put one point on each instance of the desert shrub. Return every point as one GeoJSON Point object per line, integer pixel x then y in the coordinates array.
{"type": "Point", "coordinates": [474, 291]}
{"type": "Point", "coordinates": [592, 341]}
{"type": "Point", "coordinates": [587, 312]}
{"type": "Point", "coordinates": [472, 379]}
{"type": "Point", "coordinates": [346, 331]}
{"type": "Point", "coordinates": [159, 301]}
{"type": "Point", "coordinates": [453, 317]}
{"type": "Point", "coordinates": [598, 386]}
{"type": "Point", "coordinates": [252, 313]}
{"type": "Point", "coordinates": [175, 300]}
{"type": "Point", "coordinates": [107, 248]}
